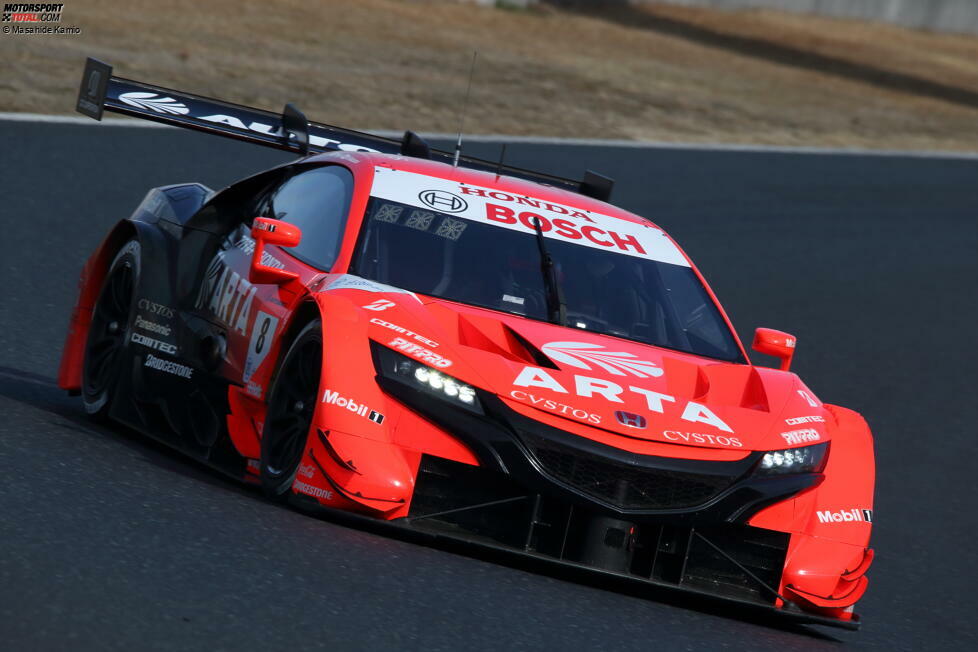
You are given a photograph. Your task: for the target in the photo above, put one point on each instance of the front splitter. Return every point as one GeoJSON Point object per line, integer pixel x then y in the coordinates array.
{"type": "Point", "coordinates": [687, 597]}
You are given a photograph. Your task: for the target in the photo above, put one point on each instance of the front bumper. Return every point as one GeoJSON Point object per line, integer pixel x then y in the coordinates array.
{"type": "Point", "coordinates": [600, 478]}
{"type": "Point", "coordinates": [543, 494]}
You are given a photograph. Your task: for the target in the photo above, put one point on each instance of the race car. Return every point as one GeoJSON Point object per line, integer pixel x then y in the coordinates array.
{"type": "Point", "coordinates": [470, 350]}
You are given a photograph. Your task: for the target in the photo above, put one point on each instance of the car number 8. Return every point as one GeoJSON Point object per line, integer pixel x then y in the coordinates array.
{"type": "Point", "coordinates": [266, 322]}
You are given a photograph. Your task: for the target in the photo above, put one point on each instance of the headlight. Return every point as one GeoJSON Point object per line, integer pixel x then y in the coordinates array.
{"type": "Point", "coordinates": [427, 379]}
{"type": "Point", "coordinates": [806, 459]}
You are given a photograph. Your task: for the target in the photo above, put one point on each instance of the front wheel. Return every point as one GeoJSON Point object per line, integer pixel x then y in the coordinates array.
{"type": "Point", "coordinates": [108, 330]}
{"type": "Point", "coordinates": [291, 405]}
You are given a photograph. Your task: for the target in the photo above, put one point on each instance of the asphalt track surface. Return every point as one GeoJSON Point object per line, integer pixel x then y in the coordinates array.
{"type": "Point", "coordinates": [110, 542]}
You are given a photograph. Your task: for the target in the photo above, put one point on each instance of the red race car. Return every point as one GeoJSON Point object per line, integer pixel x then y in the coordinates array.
{"type": "Point", "coordinates": [469, 350]}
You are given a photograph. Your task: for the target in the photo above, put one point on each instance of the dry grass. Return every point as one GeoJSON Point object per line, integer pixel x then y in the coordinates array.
{"type": "Point", "coordinates": [395, 64]}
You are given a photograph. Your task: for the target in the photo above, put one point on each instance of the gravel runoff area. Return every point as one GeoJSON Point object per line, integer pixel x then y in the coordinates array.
{"type": "Point", "coordinates": [659, 73]}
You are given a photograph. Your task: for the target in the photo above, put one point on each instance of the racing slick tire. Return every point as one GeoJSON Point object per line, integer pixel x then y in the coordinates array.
{"type": "Point", "coordinates": [291, 405]}
{"type": "Point", "coordinates": [108, 331]}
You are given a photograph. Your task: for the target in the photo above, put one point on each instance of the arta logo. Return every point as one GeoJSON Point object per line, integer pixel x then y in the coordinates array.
{"type": "Point", "coordinates": [443, 201]}
{"type": "Point", "coordinates": [630, 419]}
{"type": "Point", "coordinates": [616, 363]}
{"type": "Point", "coordinates": [154, 102]}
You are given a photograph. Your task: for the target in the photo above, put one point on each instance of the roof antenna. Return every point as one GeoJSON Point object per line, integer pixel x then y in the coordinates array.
{"type": "Point", "coordinates": [499, 166]}
{"type": "Point", "coordinates": [465, 105]}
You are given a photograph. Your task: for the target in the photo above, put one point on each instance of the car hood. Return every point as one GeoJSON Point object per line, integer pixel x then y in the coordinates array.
{"type": "Point", "coordinates": [606, 388]}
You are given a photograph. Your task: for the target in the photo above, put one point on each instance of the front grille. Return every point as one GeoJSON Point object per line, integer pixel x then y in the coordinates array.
{"type": "Point", "coordinates": [624, 485]}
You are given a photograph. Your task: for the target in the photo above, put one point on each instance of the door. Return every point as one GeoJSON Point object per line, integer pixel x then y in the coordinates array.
{"type": "Point", "coordinates": [249, 315]}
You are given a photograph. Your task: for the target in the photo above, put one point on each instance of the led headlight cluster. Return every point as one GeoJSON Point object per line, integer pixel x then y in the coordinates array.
{"type": "Point", "coordinates": [428, 379]}
{"type": "Point", "coordinates": [437, 381]}
{"type": "Point", "coordinates": [806, 459]}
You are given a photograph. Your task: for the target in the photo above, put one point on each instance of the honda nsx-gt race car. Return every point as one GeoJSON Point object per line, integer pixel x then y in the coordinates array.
{"type": "Point", "coordinates": [469, 350]}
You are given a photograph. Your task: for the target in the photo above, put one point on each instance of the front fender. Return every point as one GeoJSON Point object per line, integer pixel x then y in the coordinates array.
{"type": "Point", "coordinates": [831, 525]}
{"type": "Point", "coordinates": [841, 509]}
{"type": "Point", "coordinates": [351, 460]}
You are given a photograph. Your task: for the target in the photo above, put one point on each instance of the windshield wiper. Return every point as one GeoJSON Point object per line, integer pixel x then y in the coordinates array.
{"type": "Point", "coordinates": [556, 308]}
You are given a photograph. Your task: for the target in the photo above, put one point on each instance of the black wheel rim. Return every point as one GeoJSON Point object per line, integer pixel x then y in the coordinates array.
{"type": "Point", "coordinates": [107, 331]}
{"type": "Point", "coordinates": [290, 409]}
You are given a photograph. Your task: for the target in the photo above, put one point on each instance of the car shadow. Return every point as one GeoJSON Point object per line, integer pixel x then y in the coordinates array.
{"type": "Point", "coordinates": [67, 412]}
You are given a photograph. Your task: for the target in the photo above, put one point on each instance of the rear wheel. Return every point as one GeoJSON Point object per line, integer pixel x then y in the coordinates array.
{"type": "Point", "coordinates": [291, 405]}
{"type": "Point", "coordinates": [108, 330]}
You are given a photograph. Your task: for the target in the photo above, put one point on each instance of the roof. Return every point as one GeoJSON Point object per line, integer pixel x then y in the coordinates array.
{"type": "Point", "coordinates": [502, 183]}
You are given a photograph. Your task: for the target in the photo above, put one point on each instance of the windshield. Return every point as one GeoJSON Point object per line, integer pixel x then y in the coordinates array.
{"type": "Point", "coordinates": [478, 263]}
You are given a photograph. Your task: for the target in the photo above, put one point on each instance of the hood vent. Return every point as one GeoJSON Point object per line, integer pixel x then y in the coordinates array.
{"type": "Point", "coordinates": [539, 357]}
{"type": "Point", "coordinates": [755, 397]}
{"type": "Point", "coordinates": [498, 338]}
{"type": "Point", "coordinates": [702, 384]}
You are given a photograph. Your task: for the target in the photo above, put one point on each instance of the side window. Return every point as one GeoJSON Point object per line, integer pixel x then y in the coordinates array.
{"type": "Point", "coordinates": [316, 201]}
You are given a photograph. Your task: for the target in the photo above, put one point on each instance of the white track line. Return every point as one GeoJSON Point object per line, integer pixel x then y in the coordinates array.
{"type": "Point", "coordinates": [536, 140]}
{"type": "Point", "coordinates": [77, 120]}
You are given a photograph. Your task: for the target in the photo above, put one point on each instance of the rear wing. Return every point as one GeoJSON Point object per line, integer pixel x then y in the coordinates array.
{"type": "Point", "coordinates": [291, 131]}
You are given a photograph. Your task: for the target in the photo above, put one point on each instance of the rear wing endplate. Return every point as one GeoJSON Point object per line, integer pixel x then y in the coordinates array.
{"type": "Point", "coordinates": [290, 131]}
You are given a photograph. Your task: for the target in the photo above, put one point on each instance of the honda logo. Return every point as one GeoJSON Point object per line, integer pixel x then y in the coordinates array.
{"type": "Point", "coordinates": [630, 419]}
{"type": "Point", "coordinates": [443, 201]}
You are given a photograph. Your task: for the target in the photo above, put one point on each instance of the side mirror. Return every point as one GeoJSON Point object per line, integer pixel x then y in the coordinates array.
{"type": "Point", "coordinates": [266, 231]}
{"type": "Point", "coordinates": [771, 342]}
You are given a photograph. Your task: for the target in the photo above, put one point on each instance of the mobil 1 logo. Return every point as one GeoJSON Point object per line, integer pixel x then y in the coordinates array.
{"type": "Point", "coordinates": [262, 334]}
